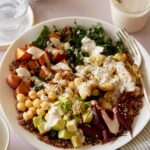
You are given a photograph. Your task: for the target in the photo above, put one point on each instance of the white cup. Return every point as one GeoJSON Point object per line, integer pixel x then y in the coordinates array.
{"type": "Point", "coordinates": [132, 21]}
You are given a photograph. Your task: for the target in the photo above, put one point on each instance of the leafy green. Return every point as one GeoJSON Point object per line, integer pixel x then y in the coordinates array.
{"type": "Point", "coordinates": [38, 87]}
{"type": "Point", "coordinates": [120, 46]}
{"type": "Point", "coordinates": [97, 33]}
{"type": "Point", "coordinates": [66, 106]}
{"type": "Point", "coordinates": [42, 40]}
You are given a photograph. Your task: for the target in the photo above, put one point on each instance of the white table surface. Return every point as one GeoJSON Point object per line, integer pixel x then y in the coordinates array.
{"type": "Point", "coordinates": [48, 9]}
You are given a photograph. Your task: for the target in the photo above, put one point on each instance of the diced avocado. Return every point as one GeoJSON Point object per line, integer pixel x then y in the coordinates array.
{"type": "Point", "coordinates": [58, 103]}
{"type": "Point", "coordinates": [37, 121]}
{"type": "Point", "coordinates": [64, 134]}
{"type": "Point", "coordinates": [62, 98]}
{"type": "Point", "coordinates": [58, 124]}
{"type": "Point", "coordinates": [76, 141]}
{"type": "Point", "coordinates": [41, 128]}
{"type": "Point", "coordinates": [87, 117]}
{"type": "Point", "coordinates": [46, 117]}
{"type": "Point", "coordinates": [72, 125]}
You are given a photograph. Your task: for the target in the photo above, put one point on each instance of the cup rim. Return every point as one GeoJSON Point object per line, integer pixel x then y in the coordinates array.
{"type": "Point", "coordinates": [142, 12]}
{"type": "Point", "coordinates": [22, 14]}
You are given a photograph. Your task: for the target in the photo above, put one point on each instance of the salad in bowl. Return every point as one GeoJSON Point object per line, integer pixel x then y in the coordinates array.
{"type": "Point", "coordinates": [74, 86]}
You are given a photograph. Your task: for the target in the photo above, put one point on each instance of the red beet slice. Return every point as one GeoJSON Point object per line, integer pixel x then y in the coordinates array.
{"type": "Point", "coordinates": [107, 136]}
{"type": "Point", "coordinates": [97, 118]}
{"type": "Point", "coordinates": [123, 119]}
{"type": "Point", "coordinates": [90, 131]}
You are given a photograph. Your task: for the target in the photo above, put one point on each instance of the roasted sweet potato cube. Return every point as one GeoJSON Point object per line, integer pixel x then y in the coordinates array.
{"type": "Point", "coordinates": [13, 80]}
{"type": "Point", "coordinates": [44, 59]}
{"type": "Point", "coordinates": [54, 35]}
{"type": "Point", "coordinates": [57, 56]}
{"type": "Point", "coordinates": [21, 54]}
{"type": "Point", "coordinates": [33, 64]}
{"type": "Point", "coordinates": [44, 72]}
{"type": "Point", "coordinates": [23, 88]}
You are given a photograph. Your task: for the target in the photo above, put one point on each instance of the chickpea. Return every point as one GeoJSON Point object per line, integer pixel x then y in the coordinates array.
{"type": "Point", "coordinates": [27, 115]}
{"type": "Point", "coordinates": [44, 98]}
{"type": "Point", "coordinates": [63, 82]}
{"type": "Point", "coordinates": [33, 109]}
{"type": "Point", "coordinates": [21, 106]}
{"type": "Point", "coordinates": [46, 90]}
{"type": "Point", "coordinates": [100, 59]}
{"type": "Point", "coordinates": [28, 103]}
{"type": "Point", "coordinates": [52, 96]}
{"type": "Point", "coordinates": [66, 73]}
{"type": "Point", "coordinates": [92, 59]}
{"type": "Point", "coordinates": [45, 105]}
{"type": "Point", "coordinates": [120, 57]}
{"type": "Point", "coordinates": [32, 95]}
{"type": "Point", "coordinates": [71, 85]}
{"type": "Point", "coordinates": [40, 93]}
{"type": "Point", "coordinates": [21, 98]}
{"type": "Point", "coordinates": [57, 76]}
{"type": "Point", "coordinates": [40, 112]}
{"type": "Point", "coordinates": [69, 91]}
{"type": "Point", "coordinates": [77, 81]}
{"type": "Point", "coordinates": [36, 103]}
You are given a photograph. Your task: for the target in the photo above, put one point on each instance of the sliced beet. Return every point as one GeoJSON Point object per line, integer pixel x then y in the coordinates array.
{"type": "Point", "coordinates": [97, 118]}
{"type": "Point", "coordinates": [90, 131]}
{"type": "Point", "coordinates": [107, 136]}
{"type": "Point", "coordinates": [124, 119]}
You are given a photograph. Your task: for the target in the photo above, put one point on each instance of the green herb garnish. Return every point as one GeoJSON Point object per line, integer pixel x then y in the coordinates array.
{"type": "Point", "coordinates": [42, 40]}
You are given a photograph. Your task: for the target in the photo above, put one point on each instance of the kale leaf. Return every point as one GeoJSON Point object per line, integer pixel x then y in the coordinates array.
{"type": "Point", "coordinates": [42, 40]}
{"type": "Point", "coordinates": [120, 46]}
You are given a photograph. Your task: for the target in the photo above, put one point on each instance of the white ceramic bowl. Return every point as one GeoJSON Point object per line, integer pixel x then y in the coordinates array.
{"type": "Point", "coordinates": [4, 135]}
{"type": "Point", "coordinates": [7, 94]}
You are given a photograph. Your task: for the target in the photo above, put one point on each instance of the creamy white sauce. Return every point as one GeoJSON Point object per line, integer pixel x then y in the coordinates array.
{"type": "Point", "coordinates": [97, 50]}
{"type": "Point", "coordinates": [122, 80]}
{"type": "Point", "coordinates": [126, 83]}
{"type": "Point", "coordinates": [53, 116]}
{"type": "Point", "coordinates": [132, 6]}
{"type": "Point", "coordinates": [84, 90]}
{"type": "Point", "coordinates": [36, 52]}
{"type": "Point", "coordinates": [88, 44]}
{"type": "Point", "coordinates": [23, 73]}
{"type": "Point", "coordinates": [60, 66]}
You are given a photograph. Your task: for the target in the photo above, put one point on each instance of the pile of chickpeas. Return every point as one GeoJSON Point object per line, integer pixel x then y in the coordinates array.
{"type": "Point", "coordinates": [36, 103]}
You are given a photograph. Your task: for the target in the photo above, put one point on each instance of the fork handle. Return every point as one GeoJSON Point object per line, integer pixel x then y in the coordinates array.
{"type": "Point", "coordinates": [144, 91]}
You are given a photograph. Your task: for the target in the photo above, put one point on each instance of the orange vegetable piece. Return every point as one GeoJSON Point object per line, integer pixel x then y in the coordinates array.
{"type": "Point", "coordinates": [13, 80]}
{"type": "Point", "coordinates": [54, 35]}
{"type": "Point", "coordinates": [21, 54]}
{"type": "Point", "coordinates": [23, 88]}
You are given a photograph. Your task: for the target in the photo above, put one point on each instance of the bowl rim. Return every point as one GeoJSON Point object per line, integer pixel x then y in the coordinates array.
{"type": "Point", "coordinates": [7, 131]}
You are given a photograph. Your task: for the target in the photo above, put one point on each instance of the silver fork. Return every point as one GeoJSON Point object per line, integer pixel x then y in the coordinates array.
{"type": "Point", "coordinates": [134, 50]}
